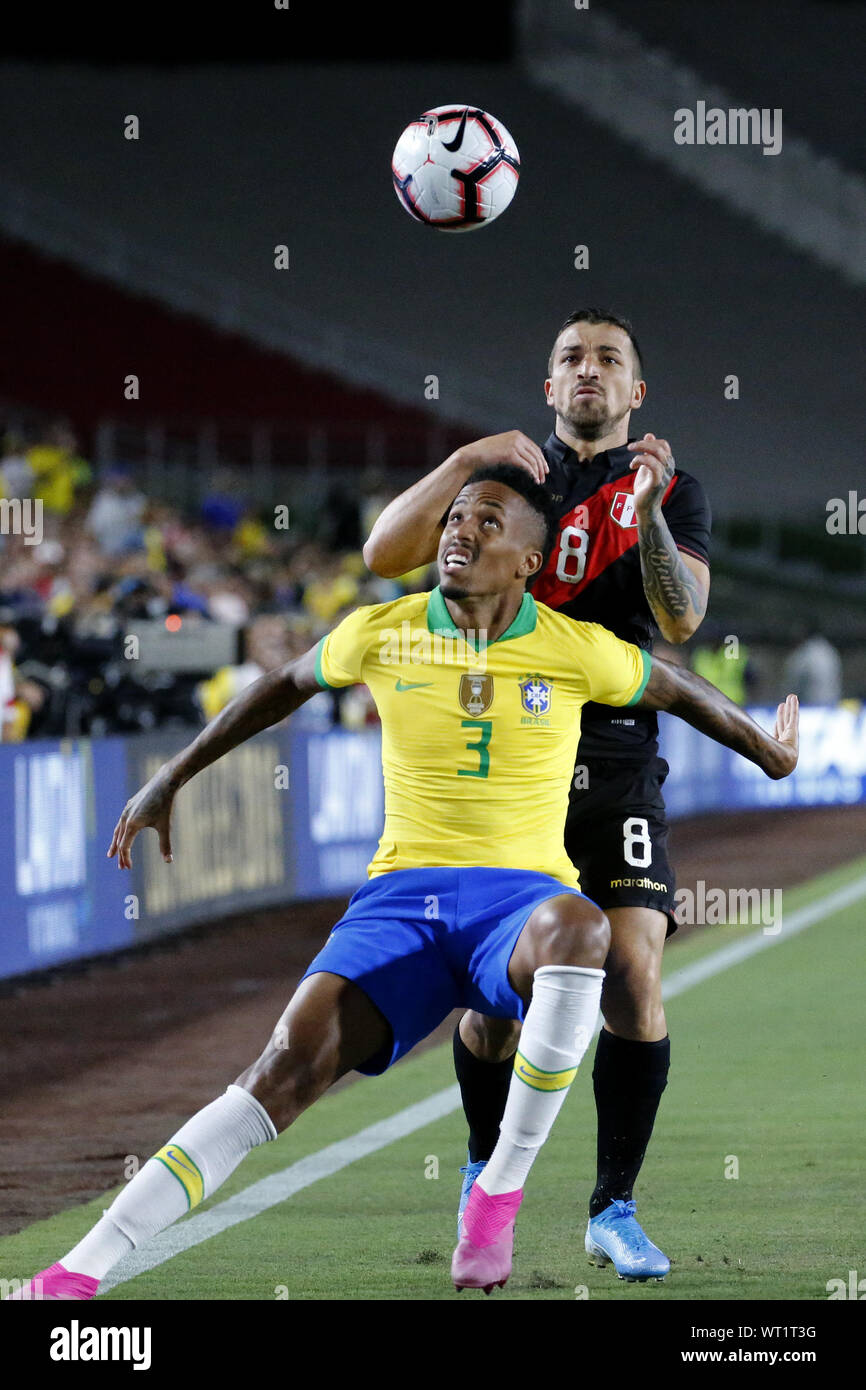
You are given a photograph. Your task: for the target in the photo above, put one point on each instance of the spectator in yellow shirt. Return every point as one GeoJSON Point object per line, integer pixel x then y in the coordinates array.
{"type": "Point", "coordinates": [58, 468]}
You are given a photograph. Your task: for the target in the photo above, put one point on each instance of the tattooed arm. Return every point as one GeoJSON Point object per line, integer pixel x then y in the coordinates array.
{"type": "Point", "coordinates": [681, 692]}
{"type": "Point", "coordinates": [677, 586]}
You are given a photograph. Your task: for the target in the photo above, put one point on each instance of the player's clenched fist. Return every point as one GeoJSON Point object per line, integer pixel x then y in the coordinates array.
{"type": "Point", "coordinates": [655, 466]}
{"type": "Point", "coordinates": [149, 807]}
{"type": "Point", "coordinates": [511, 447]}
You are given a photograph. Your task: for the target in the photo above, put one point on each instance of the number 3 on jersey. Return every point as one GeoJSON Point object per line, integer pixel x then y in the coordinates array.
{"type": "Point", "coordinates": [479, 747]}
{"type": "Point", "coordinates": [571, 560]}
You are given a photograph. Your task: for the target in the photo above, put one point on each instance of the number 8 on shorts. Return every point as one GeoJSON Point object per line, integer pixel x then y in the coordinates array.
{"type": "Point", "coordinates": [637, 845]}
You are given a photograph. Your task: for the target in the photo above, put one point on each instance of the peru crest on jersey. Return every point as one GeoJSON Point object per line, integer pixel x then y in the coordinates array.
{"type": "Point", "coordinates": [622, 510]}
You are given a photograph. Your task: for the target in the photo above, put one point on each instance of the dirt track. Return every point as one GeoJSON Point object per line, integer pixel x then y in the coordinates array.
{"type": "Point", "coordinates": [103, 1065]}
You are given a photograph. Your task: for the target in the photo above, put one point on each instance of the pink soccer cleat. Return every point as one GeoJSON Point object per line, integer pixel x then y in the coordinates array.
{"type": "Point", "coordinates": [483, 1256]}
{"type": "Point", "coordinates": [57, 1282]}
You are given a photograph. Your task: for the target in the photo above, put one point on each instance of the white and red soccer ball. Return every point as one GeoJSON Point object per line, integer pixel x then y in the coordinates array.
{"type": "Point", "coordinates": [455, 168]}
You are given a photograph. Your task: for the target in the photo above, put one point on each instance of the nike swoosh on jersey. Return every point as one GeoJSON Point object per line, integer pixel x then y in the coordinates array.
{"type": "Point", "coordinates": [420, 685]}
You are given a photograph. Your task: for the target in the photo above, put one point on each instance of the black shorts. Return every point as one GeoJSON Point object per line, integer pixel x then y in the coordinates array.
{"type": "Point", "coordinates": [616, 834]}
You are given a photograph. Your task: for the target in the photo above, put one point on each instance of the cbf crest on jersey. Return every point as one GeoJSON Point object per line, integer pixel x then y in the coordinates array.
{"type": "Point", "coordinates": [476, 694]}
{"type": "Point", "coordinates": [535, 695]}
{"type": "Point", "coordinates": [622, 510]}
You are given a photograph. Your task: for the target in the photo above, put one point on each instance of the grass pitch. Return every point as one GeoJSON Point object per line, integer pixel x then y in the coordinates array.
{"type": "Point", "coordinates": [751, 1183]}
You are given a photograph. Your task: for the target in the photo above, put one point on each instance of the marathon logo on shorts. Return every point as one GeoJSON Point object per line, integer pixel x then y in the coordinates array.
{"type": "Point", "coordinates": [536, 694]}
{"type": "Point", "coordinates": [542, 1080]}
{"type": "Point", "coordinates": [476, 694]}
{"type": "Point", "coordinates": [188, 1174]}
{"type": "Point", "coordinates": [622, 510]}
{"type": "Point", "coordinates": [639, 883]}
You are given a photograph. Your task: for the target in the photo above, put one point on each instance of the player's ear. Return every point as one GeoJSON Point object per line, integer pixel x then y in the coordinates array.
{"type": "Point", "coordinates": [530, 564]}
{"type": "Point", "coordinates": [638, 391]}
{"type": "Point", "coordinates": [548, 391]}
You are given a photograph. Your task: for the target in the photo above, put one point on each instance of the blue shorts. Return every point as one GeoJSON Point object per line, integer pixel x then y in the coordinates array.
{"type": "Point", "coordinates": [421, 942]}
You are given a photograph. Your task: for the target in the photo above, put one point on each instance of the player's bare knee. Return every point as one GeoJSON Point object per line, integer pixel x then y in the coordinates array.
{"type": "Point", "coordinates": [636, 974]}
{"type": "Point", "coordinates": [631, 1000]}
{"type": "Point", "coordinates": [570, 931]}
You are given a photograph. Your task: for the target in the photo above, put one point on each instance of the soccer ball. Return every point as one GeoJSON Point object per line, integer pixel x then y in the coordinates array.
{"type": "Point", "coordinates": [455, 168]}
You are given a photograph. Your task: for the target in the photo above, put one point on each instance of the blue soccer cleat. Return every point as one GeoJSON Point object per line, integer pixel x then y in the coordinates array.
{"type": "Point", "coordinates": [470, 1173]}
{"type": "Point", "coordinates": [614, 1237]}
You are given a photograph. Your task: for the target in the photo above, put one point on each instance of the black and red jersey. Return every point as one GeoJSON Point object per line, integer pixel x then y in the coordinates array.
{"type": "Point", "coordinates": [593, 573]}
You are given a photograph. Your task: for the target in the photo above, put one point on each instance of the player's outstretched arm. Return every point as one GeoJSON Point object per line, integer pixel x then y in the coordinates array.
{"type": "Point", "coordinates": [407, 533]}
{"type": "Point", "coordinates": [681, 692]}
{"type": "Point", "coordinates": [265, 702]}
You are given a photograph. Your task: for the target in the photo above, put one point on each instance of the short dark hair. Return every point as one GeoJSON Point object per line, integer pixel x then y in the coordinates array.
{"type": "Point", "coordinates": [600, 316]}
{"type": "Point", "coordinates": [532, 492]}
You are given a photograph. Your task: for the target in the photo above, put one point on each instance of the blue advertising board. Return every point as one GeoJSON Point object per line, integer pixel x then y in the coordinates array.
{"type": "Point", "coordinates": [339, 808]}
{"type": "Point", "coordinates": [231, 834]}
{"type": "Point", "coordinates": [61, 898]}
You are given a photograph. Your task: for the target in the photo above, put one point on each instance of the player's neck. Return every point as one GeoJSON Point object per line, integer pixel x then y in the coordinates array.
{"type": "Point", "coordinates": [490, 614]}
{"type": "Point", "coordinates": [586, 449]}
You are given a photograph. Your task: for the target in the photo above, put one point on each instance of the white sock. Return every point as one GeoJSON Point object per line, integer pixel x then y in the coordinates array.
{"type": "Point", "coordinates": [191, 1166]}
{"type": "Point", "coordinates": [556, 1033]}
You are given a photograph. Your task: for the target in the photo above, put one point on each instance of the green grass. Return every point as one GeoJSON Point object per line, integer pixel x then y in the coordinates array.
{"type": "Point", "coordinates": [766, 1068]}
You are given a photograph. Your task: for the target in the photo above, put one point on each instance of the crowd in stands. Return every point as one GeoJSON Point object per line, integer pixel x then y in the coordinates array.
{"type": "Point", "coordinates": [108, 557]}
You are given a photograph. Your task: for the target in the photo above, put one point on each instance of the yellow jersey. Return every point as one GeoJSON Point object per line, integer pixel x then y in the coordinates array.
{"type": "Point", "coordinates": [478, 739]}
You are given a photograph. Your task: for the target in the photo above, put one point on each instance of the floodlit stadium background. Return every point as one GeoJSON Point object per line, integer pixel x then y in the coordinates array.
{"type": "Point", "coordinates": [319, 391]}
